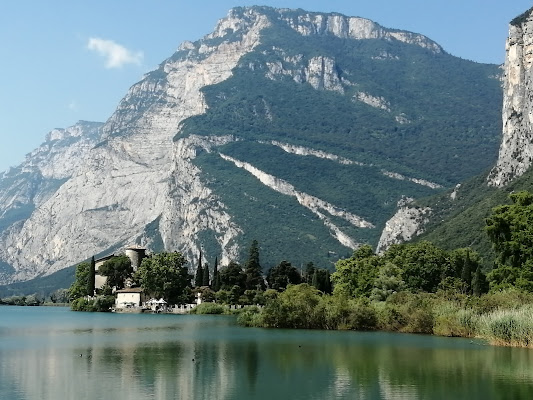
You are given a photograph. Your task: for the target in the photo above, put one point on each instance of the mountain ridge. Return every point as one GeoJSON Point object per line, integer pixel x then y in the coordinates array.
{"type": "Point", "coordinates": [171, 169]}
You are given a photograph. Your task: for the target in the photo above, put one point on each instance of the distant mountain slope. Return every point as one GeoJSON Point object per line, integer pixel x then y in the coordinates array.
{"type": "Point", "coordinates": [301, 130]}
{"type": "Point", "coordinates": [457, 218]}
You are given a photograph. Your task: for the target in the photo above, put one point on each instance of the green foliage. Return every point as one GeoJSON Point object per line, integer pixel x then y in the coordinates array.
{"type": "Point", "coordinates": [293, 308]}
{"type": "Point", "coordinates": [91, 277]}
{"type": "Point", "coordinates": [117, 269]}
{"type": "Point", "coordinates": [216, 284]}
{"type": "Point", "coordinates": [231, 276]}
{"type": "Point", "coordinates": [59, 296]}
{"type": "Point", "coordinates": [253, 270]}
{"type": "Point", "coordinates": [510, 230]}
{"type": "Point", "coordinates": [79, 287]}
{"type": "Point", "coordinates": [459, 221]}
{"type": "Point", "coordinates": [205, 275]}
{"type": "Point", "coordinates": [355, 276]}
{"type": "Point", "coordinates": [165, 275]}
{"type": "Point", "coordinates": [424, 265]}
{"type": "Point", "coordinates": [250, 317]}
{"type": "Point", "coordinates": [416, 88]}
{"type": "Point", "coordinates": [199, 277]}
{"type": "Point", "coordinates": [519, 20]}
{"type": "Point", "coordinates": [208, 295]}
{"type": "Point", "coordinates": [321, 280]}
{"type": "Point", "coordinates": [282, 275]}
{"type": "Point", "coordinates": [388, 281]}
{"type": "Point", "coordinates": [222, 297]}
{"type": "Point", "coordinates": [98, 304]}
{"type": "Point", "coordinates": [30, 300]}
{"type": "Point", "coordinates": [509, 327]}
{"type": "Point", "coordinates": [209, 308]}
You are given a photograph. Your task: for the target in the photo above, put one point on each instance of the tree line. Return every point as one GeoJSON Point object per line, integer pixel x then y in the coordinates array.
{"type": "Point", "coordinates": [421, 288]}
{"type": "Point", "coordinates": [167, 275]}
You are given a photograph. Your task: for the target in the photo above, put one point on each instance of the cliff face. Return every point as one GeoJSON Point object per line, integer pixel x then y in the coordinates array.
{"type": "Point", "coordinates": [516, 150]}
{"type": "Point", "coordinates": [241, 135]}
{"type": "Point", "coordinates": [124, 183]}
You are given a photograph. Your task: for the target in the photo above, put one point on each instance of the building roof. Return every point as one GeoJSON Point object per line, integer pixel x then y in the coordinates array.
{"type": "Point", "coordinates": [135, 247]}
{"type": "Point", "coordinates": [104, 258]}
{"type": "Point", "coordinates": [130, 290]}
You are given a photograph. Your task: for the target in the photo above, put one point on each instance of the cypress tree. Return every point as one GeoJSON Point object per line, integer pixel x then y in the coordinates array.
{"type": "Point", "coordinates": [252, 269]}
{"type": "Point", "coordinates": [216, 276]}
{"type": "Point", "coordinates": [205, 281]}
{"type": "Point", "coordinates": [314, 280]}
{"type": "Point", "coordinates": [327, 286]}
{"type": "Point", "coordinates": [466, 273]}
{"type": "Point", "coordinates": [478, 282]}
{"type": "Point", "coordinates": [91, 278]}
{"type": "Point", "coordinates": [199, 279]}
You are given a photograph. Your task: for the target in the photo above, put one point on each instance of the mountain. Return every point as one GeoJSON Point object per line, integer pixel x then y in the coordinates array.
{"type": "Point", "coordinates": [301, 130]}
{"type": "Point", "coordinates": [456, 218]}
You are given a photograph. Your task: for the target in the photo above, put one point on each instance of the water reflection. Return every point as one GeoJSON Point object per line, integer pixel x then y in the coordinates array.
{"type": "Point", "coordinates": [87, 356]}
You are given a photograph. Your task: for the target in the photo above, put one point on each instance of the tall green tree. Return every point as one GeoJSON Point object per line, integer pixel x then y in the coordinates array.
{"type": "Point", "coordinates": [424, 265]}
{"type": "Point", "coordinates": [199, 277]}
{"type": "Point", "coordinates": [232, 275]}
{"type": "Point", "coordinates": [510, 229]}
{"type": "Point", "coordinates": [165, 275]}
{"type": "Point", "coordinates": [216, 277]}
{"type": "Point", "coordinates": [117, 269]}
{"type": "Point", "coordinates": [282, 275]}
{"type": "Point", "coordinates": [479, 282]}
{"type": "Point", "coordinates": [253, 270]}
{"type": "Point", "coordinates": [354, 276]}
{"type": "Point", "coordinates": [78, 288]}
{"type": "Point", "coordinates": [464, 263]}
{"type": "Point", "coordinates": [387, 282]}
{"type": "Point", "coordinates": [320, 279]}
{"type": "Point", "coordinates": [205, 275]}
{"type": "Point", "coordinates": [91, 277]}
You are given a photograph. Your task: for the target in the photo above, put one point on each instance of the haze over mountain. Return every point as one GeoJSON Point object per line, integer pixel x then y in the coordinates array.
{"type": "Point", "coordinates": [301, 130]}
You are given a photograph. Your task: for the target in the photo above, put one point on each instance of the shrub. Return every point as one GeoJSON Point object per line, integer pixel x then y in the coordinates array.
{"type": "Point", "coordinates": [389, 317]}
{"type": "Point", "coordinates": [251, 316]}
{"type": "Point", "coordinates": [332, 312]}
{"type": "Point", "coordinates": [362, 316]}
{"type": "Point", "coordinates": [209, 308]}
{"type": "Point", "coordinates": [446, 320]}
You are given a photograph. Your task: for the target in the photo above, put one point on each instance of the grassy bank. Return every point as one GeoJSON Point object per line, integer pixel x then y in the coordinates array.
{"type": "Point", "coordinates": [503, 318]}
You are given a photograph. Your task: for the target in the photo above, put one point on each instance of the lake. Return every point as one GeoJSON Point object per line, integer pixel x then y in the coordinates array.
{"type": "Point", "coordinates": [54, 353]}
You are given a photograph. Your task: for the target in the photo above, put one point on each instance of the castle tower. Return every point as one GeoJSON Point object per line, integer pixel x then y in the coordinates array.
{"type": "Point", "coordinates": [136, 254]}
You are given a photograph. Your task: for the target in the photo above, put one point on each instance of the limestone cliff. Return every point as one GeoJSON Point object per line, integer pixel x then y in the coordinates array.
{"type": "Point", "coordinates": [407, 223]}
{"type": "Point", "coordinates": [123, 184]}
{"type": "Point", "coordinates": [516, 150]}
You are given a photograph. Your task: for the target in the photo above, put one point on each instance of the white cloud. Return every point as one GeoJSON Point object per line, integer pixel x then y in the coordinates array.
{"type": "Point", "coordinates": [115, 54]}
{"type": "Point", "coordinates": [73, 106]}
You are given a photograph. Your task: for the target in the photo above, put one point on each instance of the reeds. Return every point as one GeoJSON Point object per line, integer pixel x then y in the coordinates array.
{"type": "Point", "coordinates": [512, 327]}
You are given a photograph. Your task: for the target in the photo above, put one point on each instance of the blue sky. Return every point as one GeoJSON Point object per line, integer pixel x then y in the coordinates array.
{"type": "Point", "coordinates": [70, 60]}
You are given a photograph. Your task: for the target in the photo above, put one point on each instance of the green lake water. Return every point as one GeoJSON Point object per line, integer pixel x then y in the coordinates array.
{"type": "Point", "coordinates": [53, 353]}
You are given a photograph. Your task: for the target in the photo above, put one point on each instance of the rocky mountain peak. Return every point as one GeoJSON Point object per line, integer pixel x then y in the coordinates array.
{"type": "Point", "coordinates": [318, 23]}
{"type": "Point", "coordinates": [76, 130]}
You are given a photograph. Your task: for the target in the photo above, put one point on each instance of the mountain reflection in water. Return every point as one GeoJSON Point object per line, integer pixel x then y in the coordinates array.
{"type": "Point", "coordinates": [53, 353]}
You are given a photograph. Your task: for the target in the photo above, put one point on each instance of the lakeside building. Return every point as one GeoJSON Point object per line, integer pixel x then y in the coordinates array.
{"type": "Point", "coordinates": [134, 252]}
{"type": "Point", "coordinates": [130, 298]}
